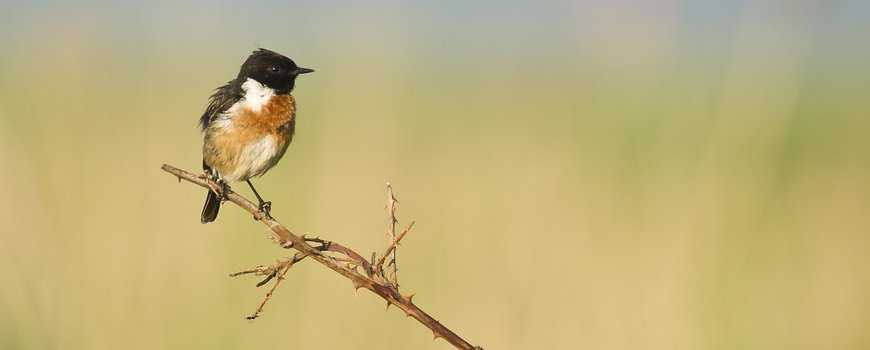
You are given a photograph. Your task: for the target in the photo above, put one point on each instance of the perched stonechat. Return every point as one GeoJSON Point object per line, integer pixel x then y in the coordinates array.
{"type": "Point", "coordinates": [248, 124]}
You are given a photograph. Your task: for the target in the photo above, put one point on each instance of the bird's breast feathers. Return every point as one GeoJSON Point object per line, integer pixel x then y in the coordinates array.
{"type": "Point", "coordinates": [256, 158]}
{"type": "Point", "coordinates": [252, 135]}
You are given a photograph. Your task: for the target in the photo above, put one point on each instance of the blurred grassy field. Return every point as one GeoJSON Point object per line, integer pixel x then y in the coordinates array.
{"type": "Point", "coordinates": [584, 175]}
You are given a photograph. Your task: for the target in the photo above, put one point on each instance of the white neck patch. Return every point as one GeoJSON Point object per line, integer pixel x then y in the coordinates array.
{"type": "Point", "coordinates": [256, 94]}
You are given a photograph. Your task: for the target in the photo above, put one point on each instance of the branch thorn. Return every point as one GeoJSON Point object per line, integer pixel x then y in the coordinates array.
{"type": "Point", "coordinates": [409, 297]}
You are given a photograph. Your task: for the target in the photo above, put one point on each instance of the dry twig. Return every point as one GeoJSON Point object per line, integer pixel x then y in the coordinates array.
{"type": "Point", "coordinates": [391, 234]}
{"type": "Point", "coordinates": [392, 248]}
{"type": "Point", "coordinates": [371, 278]}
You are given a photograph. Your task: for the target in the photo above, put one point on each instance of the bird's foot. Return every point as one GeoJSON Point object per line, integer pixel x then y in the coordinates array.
{"type": "Point", "coordinates": [225, 189]}
{"type": "Point", "coordinates": [264, 207]}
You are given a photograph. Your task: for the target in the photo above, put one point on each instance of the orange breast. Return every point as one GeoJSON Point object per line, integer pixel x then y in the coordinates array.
{"type": "Point", "coordinates": [251, 142]}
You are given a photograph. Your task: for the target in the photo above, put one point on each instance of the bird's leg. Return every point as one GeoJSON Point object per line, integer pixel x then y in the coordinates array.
{"type": "Point", "coordinates": [224, 190]}
{"type": "Point", "coordinates": [264, 206]}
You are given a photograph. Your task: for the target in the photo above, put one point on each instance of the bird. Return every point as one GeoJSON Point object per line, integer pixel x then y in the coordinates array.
{"type": "Point", "coordinates": [247, 126]}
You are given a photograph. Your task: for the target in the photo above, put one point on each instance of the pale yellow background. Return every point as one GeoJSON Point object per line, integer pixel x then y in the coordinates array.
{"type": "Point", "coordinates": [584, 174]}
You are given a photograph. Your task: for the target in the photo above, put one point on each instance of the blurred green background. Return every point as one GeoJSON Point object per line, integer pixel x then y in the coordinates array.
{"type": "Point", "coordinates": [584, 174]}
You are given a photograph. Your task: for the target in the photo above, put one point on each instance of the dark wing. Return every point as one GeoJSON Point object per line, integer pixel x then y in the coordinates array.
{"type": "Point", "coordinates": [222, 99]}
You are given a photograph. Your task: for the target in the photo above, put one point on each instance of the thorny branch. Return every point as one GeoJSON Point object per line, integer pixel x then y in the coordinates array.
{"type": "Point", "coordinates": [392, 248]}
{"type": "Point", "coordinates": [338, 258]}
{"type": "Point", "coordinates": [391, 234]}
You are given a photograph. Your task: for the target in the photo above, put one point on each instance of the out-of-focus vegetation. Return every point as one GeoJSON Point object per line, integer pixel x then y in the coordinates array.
{"type": "Point", "coordinates": [595, 175]}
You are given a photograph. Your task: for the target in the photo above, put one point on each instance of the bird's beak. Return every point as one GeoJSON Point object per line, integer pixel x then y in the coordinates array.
{"type": "Point", "coordinates": [301, 70]}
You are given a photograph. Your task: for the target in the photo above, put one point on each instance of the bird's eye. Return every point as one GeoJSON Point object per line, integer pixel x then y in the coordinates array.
{"type": "Point", "coordinates": [274, 69]}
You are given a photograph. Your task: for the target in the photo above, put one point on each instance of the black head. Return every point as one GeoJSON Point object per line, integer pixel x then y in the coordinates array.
{"type": "Point", "coordinates": [272, 69]}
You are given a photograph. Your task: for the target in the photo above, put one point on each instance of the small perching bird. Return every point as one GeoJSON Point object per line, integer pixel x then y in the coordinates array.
{"type": "Point", "coordinates": [248, 124]}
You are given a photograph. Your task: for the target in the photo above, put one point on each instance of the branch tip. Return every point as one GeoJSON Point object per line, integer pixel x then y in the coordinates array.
{"type": "Point", "coordinates": [266, 280]}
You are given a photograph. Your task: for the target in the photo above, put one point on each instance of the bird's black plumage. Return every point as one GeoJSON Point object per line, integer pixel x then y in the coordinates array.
{"type": "Point", "coordinates": [223, 98]}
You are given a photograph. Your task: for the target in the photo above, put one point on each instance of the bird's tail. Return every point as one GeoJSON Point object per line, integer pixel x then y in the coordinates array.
{"type": "Point", "coordinates": [211, 208]}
